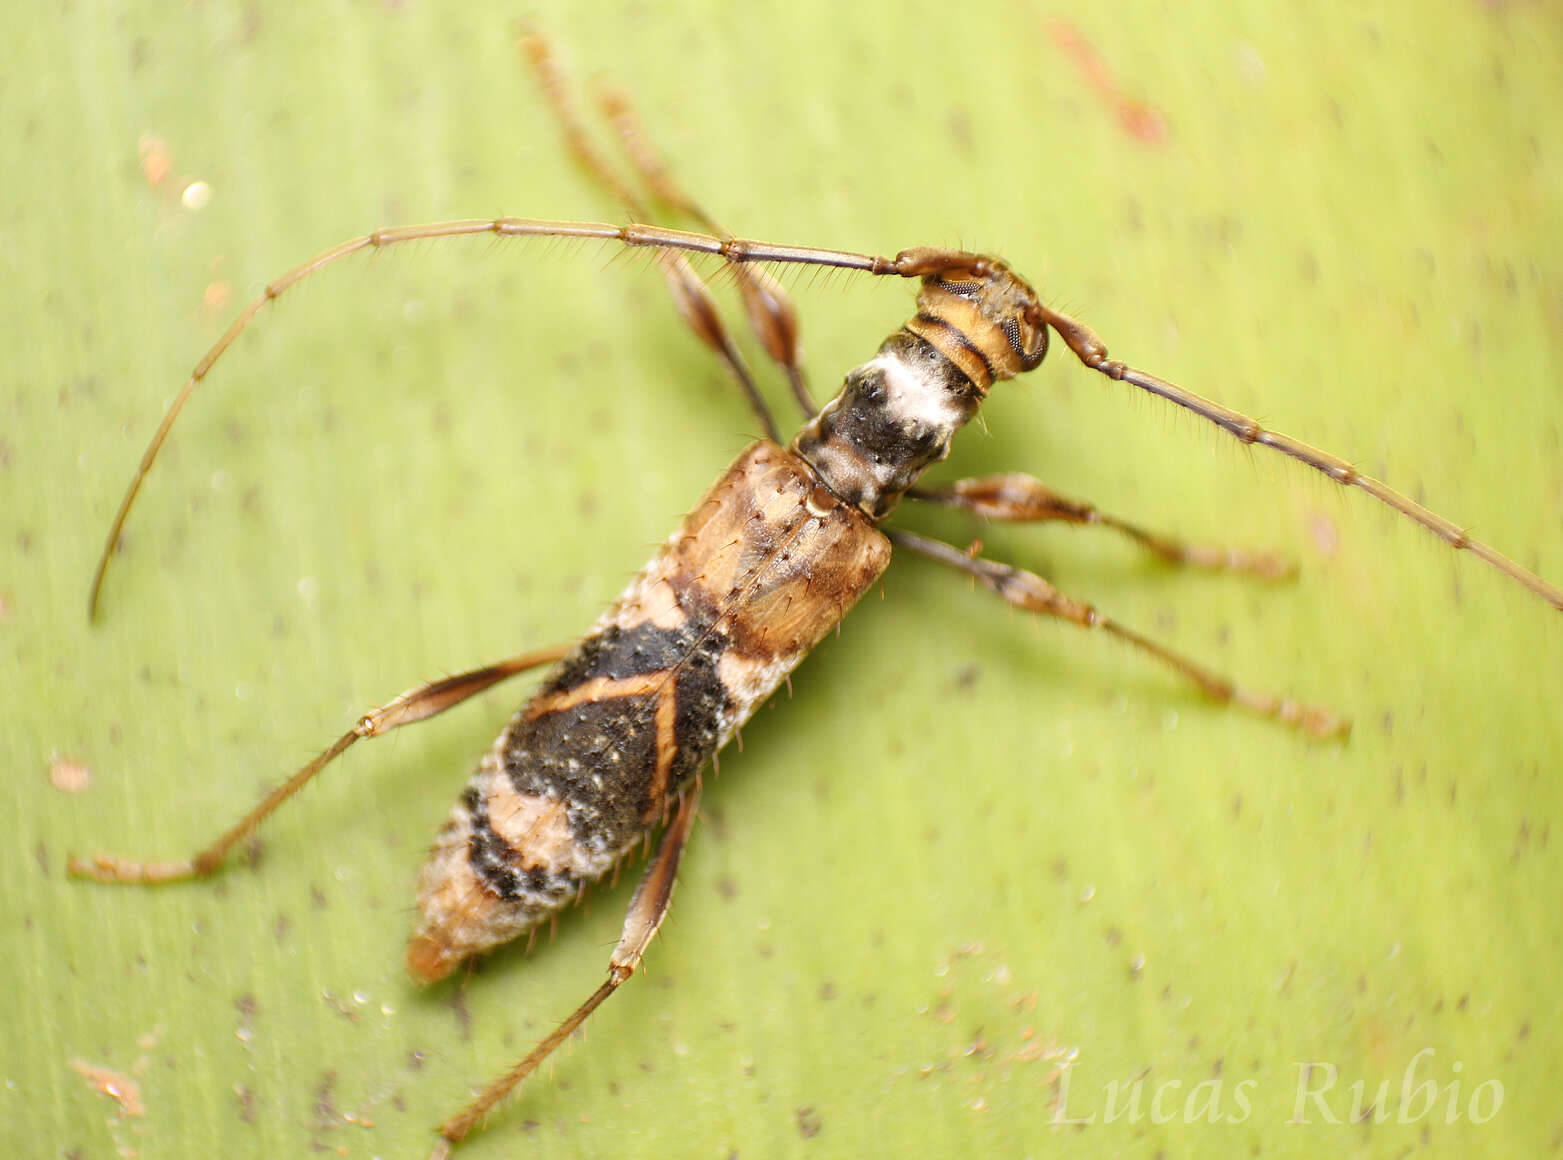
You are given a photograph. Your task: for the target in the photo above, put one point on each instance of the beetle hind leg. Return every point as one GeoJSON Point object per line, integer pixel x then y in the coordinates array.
{"type": "Point", "coordinates": [647, 909]}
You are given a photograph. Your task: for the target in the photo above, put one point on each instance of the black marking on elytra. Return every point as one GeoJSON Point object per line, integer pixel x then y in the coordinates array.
{"type": "Point", "coordinates": [600, 757]}
{"type": "Point", "coordinates": [498, 866]}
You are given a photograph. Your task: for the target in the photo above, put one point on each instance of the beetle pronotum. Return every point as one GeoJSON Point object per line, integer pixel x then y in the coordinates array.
{"type": "Point", "coordinates": [612, 745]}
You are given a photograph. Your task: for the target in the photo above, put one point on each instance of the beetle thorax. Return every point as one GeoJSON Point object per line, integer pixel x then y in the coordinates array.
{"type": "Point", "coordinates": [893, 418]}
{"type": "Point", "coordinates": [896, 414]}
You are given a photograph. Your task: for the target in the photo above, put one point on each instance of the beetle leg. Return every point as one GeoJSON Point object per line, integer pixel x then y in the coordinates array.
{"type": "Point", "coordinates": [647, 910]}
{"type": "Point", "coordinates": [1014, 497]}
{"type": "Point", "coordinates": [417, 704]}
{"type": "Point", "coordinates": [1029, 591]}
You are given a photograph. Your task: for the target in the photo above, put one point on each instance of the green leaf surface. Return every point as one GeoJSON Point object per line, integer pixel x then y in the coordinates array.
{"type": "Point", "coordinates": [973, 865]}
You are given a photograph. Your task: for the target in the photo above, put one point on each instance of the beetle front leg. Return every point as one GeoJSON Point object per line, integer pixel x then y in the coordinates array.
{"type": "Point", "coordinates": [1013, 497]}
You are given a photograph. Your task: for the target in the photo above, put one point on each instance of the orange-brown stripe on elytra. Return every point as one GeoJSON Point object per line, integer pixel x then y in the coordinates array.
{"type": "Point", "coordinates": [667, 750]}
{"type": "Point", "coordinates": [596, 689]}
{"type": "Point", "coordinates": [662, 685]}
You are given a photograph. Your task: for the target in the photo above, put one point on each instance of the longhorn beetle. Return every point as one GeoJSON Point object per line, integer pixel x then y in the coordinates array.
{"type": "Point", "coordinates": [612, 745]}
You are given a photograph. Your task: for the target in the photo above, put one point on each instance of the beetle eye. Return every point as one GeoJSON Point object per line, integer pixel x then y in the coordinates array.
{"type": "Point", "coordinates": [1027, 339]}
{"type": "Point", "coordinates": [1012, 332]}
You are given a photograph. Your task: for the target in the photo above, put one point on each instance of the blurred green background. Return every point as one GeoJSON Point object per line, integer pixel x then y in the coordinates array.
{"type": "Point", "coordinates": [969, 852]}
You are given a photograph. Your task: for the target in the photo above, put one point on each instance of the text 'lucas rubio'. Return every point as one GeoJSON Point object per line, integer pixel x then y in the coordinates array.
{"type": "Point", "coordinates": [1318, 1097]}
